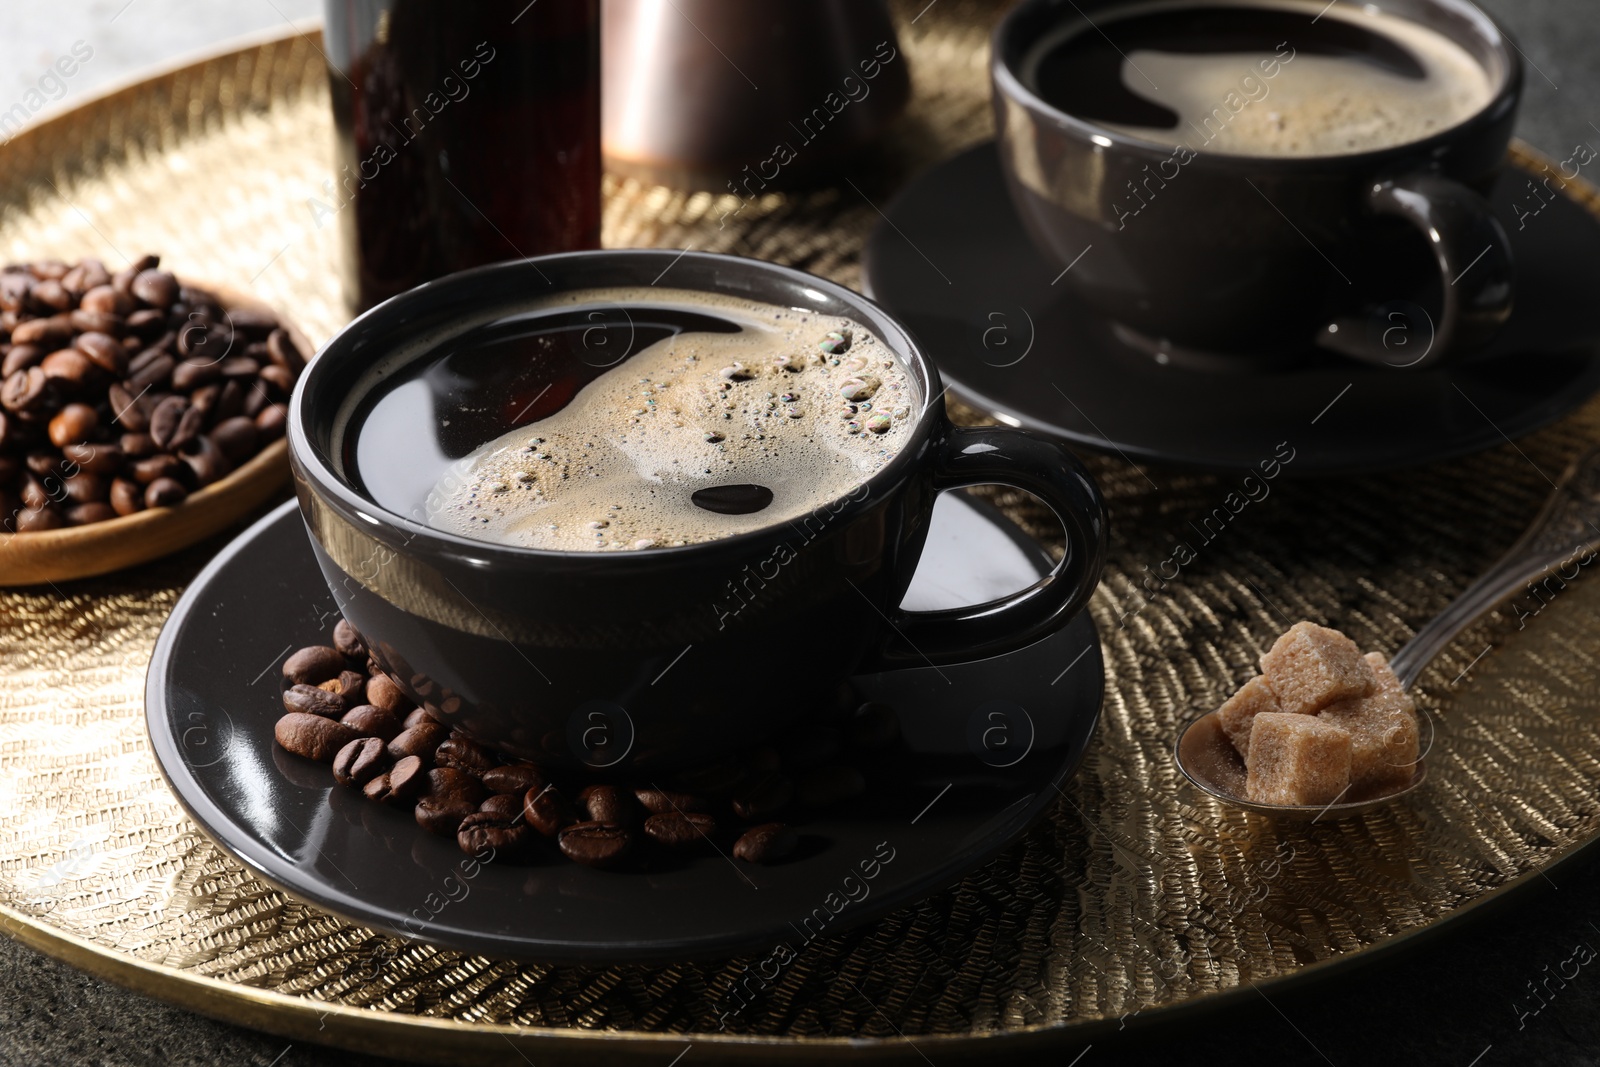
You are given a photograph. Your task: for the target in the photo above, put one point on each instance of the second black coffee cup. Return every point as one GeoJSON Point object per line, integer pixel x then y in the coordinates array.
{"type": "Point", "coordinates": [1215, 230]}
{"type": "Point", "coordinates": [661, 656]}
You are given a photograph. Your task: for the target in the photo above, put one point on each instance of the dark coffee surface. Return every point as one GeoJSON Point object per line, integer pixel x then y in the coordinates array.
{"type": "Point", "coordinates": [1083, 74]}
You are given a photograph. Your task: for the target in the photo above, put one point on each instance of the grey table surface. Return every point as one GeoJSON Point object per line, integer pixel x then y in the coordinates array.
{"type": "Point", "coordinates": [1449, 1001]}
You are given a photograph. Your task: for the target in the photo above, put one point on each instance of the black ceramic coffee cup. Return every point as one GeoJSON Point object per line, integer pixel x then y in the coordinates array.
{"type": "Point", "coordinates": [664, 656]}
{"type": "Point", "coordinates": [1211, 253]}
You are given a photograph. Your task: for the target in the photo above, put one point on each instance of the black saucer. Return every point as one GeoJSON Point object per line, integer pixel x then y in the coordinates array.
{"type": "Point", "coordinates": [952, 262]}
{"type": "Point", "coordinates": [984, 748]}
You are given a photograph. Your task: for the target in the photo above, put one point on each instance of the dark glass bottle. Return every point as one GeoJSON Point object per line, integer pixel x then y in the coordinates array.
{"type": "Point", "coordinates": [467, 132]}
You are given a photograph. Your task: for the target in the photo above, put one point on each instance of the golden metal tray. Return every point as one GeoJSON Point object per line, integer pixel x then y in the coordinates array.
{"type": "Point", "coordinates": [1135, 899]}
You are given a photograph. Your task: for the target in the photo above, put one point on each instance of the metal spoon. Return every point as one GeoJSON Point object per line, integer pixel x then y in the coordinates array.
{"type": "Point", "coordinates": [1567, 528]}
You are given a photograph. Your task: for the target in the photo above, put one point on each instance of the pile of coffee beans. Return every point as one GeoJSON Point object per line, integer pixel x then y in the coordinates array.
{"type": "Point", "coordinates": [340, 708]}
{"type": "Point", "coordinates": [126, 391]}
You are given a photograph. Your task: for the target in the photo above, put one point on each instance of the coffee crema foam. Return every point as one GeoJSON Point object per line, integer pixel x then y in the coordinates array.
{"type": "Point", "coordinates": [1311, 105]}
{"type": "Point", "coordinates": [806, 406]}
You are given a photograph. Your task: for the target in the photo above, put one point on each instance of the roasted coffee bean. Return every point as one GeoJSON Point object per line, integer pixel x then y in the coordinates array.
{"type": "Point", "coordinates": [764, 799]}
{"type": "Point", "coordinates": [204, 399]}
{"type": "Point", "coordinates": [283, 353]}
{"type": "Point", "coordinates": [165, 493]}
{"type": "Point", "coordinates": [517, 779]}
{"type": "Point", "coordinates": [596, 844]}
{"type": "Point", "coordinates": [360, 761]}
{"type": "Point", "coordinates": [810, 747]}
{"type": "Point", "coordinates": [127, 497]}
{"type": "Point", "coordinates": [256, 400]}
{"type": "Point", "coordinates": [101, 458]}
{"type": "Point", "coordinates": [608, 803]}
{"type": "Point", "coordinates": [20, 357]}
{"type": "Point", "coordinates": [84, 514]}
{"type": "Point", "coordinates": [666, 801]}
{"type": "Point", "coordinates": [104, 351]}
{"type": "Point", "coordinates": [455, 782]}
{"type": "Point", "coordinates": [409, 777]}
{"type": "Point", "coordinates": [418, 716]}
{"type": "Point", "coordinates": [86, 488]}
{"type": "Point", "coordinates": [34, 494]}
{"type": "Point", "coordinates": [104, 300]}
{"type": "Point", "coordinates": [373, 721]}
{"type": "Point", "coordinates": [348, 641]}
{"type": "Point", "coordinates": [153, 374]}
{"type": "Point", "coordinates": [419, 740]}
{"type": "Point", "coordinates": [14, 290]}
{"type": "Point", "coordinates": [90, 322]}
{"type": "Point", "coordinates": [382, 691]}
{"type": "Point", "coordinates": [72, 424]}
{"type": "Point", "coordinates": [312, 736]}
{"type": "Point", "coordinates": [242, 367]}
{"type": "Point", "coordinates": [491, 836]}
{"type": "Point", "coordinates": [829, 785]}
{"type": "Point", "coordinates": [127, 412]}
{"type": "Point", "coordinates": [504, 805]}
{"type": "Point", "coordinates": [277, 381]}
{"type": "Point", "coordinates": [160, 465]}
{"type": "Point", "coordinates": [155, 287]}
{"type": "Point", "coordinates": [166, 419]}
{"type": "Point", "coordinates": [255, 321]}
{"type": "Point", "coordinates": [767, 843]}
{"type": "Point", "coordinates": [230, 403]}
{"type": "Point", "coordinates": [51, 295]}
{"type": "Point", "coordinates": [443, 815]}
{"type": "Point", "coordinates": [271, 421]}
{"type": "Point", "coordinates": [161, 346]}
{"type": "Point", "coordinates": [547, 810]}
{"type": "Point", "coordinates": [49, 334]}
{"type": "Point", "coordinates": [462, 753]}
{"type": "Point", "coordinates": [25, 390]}
{"type": "Point", "coordinates": [313, 665]}
{"type": "Point", "coordinates": [381, 791]}
{"type": "Point", "coordinates": [352, 685]}
{"type": "Point", "coordinates": [48, 268]}
{"type": "Point", "coordinates": [192, 373]}
{"type": "Point", "coordinates": [314, 701]}
{"type": "Point", "coordinates": [137, 446]}
{"type": "Point", "coordinates": [90, 273]}
{"type": "Point", "coordinates": [33, 520]}
{"type": "Point", "coordinates": [205, 459]}
{"type": "Point", "coordinates": [70, 367]}
{"type": "Point", "coordinates": [680, 830]}
{"type": "Point", "coordinates": [146, 323]}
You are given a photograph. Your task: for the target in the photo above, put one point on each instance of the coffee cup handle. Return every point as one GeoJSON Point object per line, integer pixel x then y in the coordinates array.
{"type": "Point", "coordinates": [1476, 273]}
{"type": "Point", "coordinates": [993, 455]}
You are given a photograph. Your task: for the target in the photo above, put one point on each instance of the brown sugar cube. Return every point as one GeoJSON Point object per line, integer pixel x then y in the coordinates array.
{"type": "Point", "coordinates": [1380, 670]}
{"type": "Point", "coordinates": [1296, 759]}
{"type": "Point", "coordinates": [1240, 711]}
{"type": "Point", "coordinates": [1311, 666]}
{"type": "Point", "coordinates": [1383, 733]}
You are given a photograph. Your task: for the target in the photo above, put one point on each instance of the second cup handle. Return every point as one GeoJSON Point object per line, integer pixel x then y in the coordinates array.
{"type": "Point", "coordinates": [1475, 269]}
{"type": "Point", "coordinates": [992, 455]}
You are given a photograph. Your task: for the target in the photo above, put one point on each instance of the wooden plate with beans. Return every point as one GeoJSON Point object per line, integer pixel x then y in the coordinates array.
{"type": "Point", "coordinates": [138, 415]}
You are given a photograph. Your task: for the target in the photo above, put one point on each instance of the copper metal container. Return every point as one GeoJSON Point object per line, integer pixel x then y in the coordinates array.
{"type": "Point", "coordinates": [746, 97]}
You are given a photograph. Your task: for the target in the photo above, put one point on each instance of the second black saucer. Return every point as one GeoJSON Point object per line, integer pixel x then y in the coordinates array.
{"type": "Point", "coordinates": [951, 260]}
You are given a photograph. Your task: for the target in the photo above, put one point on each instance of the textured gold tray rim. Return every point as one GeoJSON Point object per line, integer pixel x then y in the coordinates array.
{"type": "Point", "coordinates": [398, 1034]}
{"type": "Point", "coordinates": [389, 1033]}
